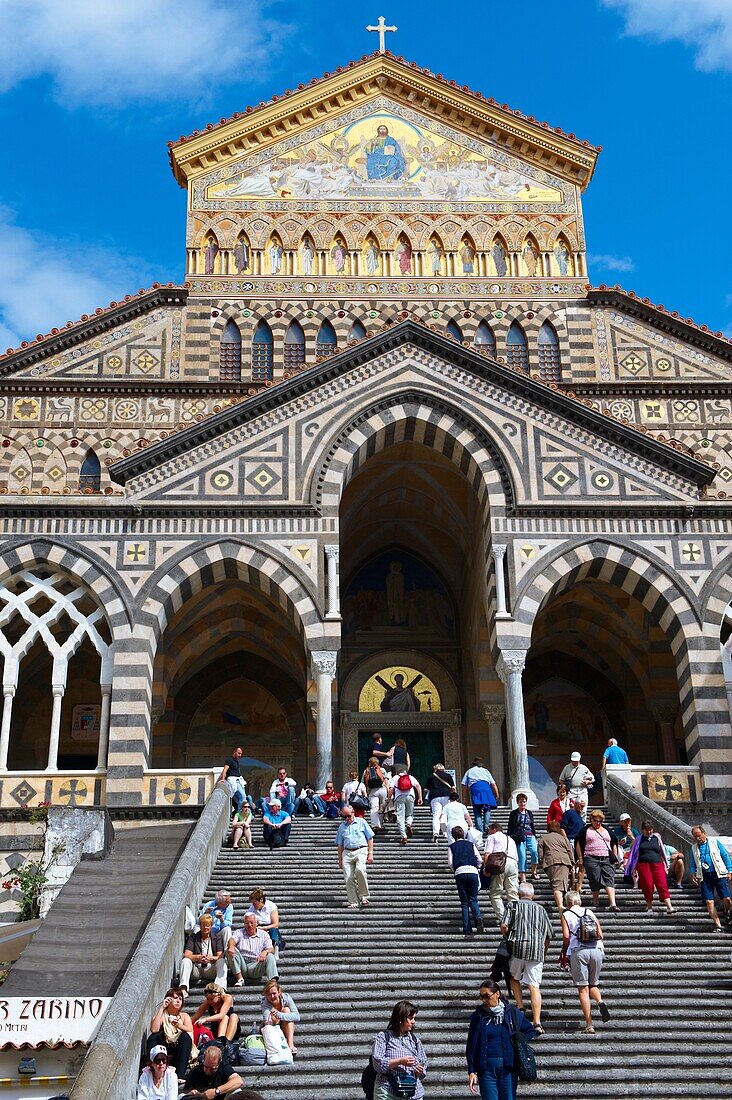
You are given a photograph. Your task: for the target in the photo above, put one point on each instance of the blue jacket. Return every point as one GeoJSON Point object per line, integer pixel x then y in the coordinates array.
{"type": "Point", "coordinates": [487, 1040]}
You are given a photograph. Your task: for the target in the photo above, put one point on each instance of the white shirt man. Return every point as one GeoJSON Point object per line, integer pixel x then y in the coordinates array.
{"type": "Point", "coordinates": [455, 813]}
{"type": "Point", "coordinates": [577, 777]}
{"type": "Point", "coordinates": [404, 802]}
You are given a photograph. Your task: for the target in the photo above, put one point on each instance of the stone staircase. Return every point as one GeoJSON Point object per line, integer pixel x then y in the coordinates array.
{"type": "Point", "coordinates": [666, 978]}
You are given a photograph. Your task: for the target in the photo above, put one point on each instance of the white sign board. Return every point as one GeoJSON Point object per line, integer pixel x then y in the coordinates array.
{"type": "Point", "coordinates": [50, 1019]}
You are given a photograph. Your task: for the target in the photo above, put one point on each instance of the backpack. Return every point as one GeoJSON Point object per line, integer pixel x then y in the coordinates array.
{"type": "Point", "coordinates": [252, 1051]}
{"type": "Point", "coordinates": [587, 928]}
{"type": "Point", "coordinates": [404, 782]}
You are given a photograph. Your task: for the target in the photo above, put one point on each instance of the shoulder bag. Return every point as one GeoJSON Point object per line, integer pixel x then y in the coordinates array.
{"type": "Point", "coordinates": [523, 1055]}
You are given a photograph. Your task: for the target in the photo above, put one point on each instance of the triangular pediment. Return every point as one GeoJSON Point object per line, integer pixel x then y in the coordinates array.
{"type": "Point", "coordinates": [357, 87]}
{"type": "Point", "coordinates": [548, 447]}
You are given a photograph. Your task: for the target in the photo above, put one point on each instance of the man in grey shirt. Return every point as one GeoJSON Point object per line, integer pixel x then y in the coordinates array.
{"type": "Point", "coordinates": [577, 776]}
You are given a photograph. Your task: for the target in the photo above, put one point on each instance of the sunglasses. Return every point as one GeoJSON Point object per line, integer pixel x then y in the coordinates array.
{"type": "Point", "coordinates": [487, 996]}
{"type": "Point", "coordinates": [160, 1058]}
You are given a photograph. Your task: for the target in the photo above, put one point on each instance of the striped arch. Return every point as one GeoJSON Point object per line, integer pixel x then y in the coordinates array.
{"type": "Point", "coordinates": [85, 568]}
{"type": "Point", "coordinates": [718, 593]}
{"type": "Point", "coordinates": [181, 578]}
{"type": "Point", "coordinates": [421, 419]}
{"type": "Point", "coordinates": [704, 712]}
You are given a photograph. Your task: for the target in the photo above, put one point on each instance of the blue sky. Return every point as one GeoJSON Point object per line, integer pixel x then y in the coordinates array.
{"type": "Point", "coordinates": [91, 91]}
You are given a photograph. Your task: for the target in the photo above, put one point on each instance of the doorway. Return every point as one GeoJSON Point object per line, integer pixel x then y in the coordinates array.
{"type": "Point", "coordinates": [426, 748]}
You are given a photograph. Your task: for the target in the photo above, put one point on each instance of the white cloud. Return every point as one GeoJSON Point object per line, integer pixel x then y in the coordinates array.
{"type": "Point", "coordinates": [704, 25]}
{"type": "Point", "coordinates": [611, 263]}
{"type": "Point", "coordinates": [45, 283]}
{"type": "Point", "coordinates": [110, 52]}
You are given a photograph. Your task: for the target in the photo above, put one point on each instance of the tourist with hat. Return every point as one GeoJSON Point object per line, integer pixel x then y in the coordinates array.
{"type": "Point", "coordinates": [624, 836]}
{"type": "Point", "coordinates": [158, 1080]}
{"type": "Point", "coordinates": [577, 777]}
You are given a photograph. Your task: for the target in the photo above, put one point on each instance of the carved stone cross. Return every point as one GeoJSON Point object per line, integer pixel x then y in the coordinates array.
{"type": "Point", "coordinates": [381, 29]}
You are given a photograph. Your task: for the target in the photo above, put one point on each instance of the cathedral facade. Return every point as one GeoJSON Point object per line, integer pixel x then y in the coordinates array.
{"type": "Point", "coordinates": [384, 462]}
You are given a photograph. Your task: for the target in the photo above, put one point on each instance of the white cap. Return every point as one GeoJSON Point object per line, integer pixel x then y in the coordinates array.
{"type": "Point", "coordinates": [576, 756]}
{"type": "Point", "coordinates": [624, 817]}
{"type": "Point", "coordinates": [157, 1051]}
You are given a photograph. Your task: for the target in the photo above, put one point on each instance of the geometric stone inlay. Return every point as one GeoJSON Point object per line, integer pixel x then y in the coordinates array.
{"type": "Point", "coordinates": [633, 363]}
{"type": "Point", "coordinates": [23, 793]}
{"type": "Point", "coordinates": [222, 479]}
{"type": "Point", "coordinates": [54, 473]}
{"type": "Point", "coordinates": [691, 551]}
{"type": "Point", "coordinates": [528, 552]}
{"type": "Point", "coordinates": [73, 792]}
{"type": "Point", "coordinates": [177, 791]}
{"type": "Point", "coordinates": [263, 478]}
{"type": "Point", "coordinates": [145, 362]}
{"type": "Point", "coordinates": [561, 478]}
{"type": "Point", "coordinates": [21, 473]}
{"type": "Point", "coordinates": [601, 480]}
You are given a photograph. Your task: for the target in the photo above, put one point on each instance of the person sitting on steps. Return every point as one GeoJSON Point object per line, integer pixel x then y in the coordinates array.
{"type": "Point", "coordinates": [276, 825]}
{"type": "Point", "coordinates": [203, 957]}
{"type": "Point", "coordinates": [328, 801]}
{"type": "Point", "coordinates": [267, 915]}
{"type": "Point", "coordinates": [250, 954]}
{"type": "Point", "coordinates": [216, 1012]}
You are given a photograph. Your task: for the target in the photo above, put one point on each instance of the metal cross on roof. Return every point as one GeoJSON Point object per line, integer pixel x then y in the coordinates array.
{"type": "Point", "coordinates": [381, 29]}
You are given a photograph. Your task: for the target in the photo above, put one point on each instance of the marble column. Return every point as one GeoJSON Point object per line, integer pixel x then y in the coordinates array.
{"type": "Point", "coordinates": [324, 666]}
{"type": "Point", "coordinates": [499, 553]}
{"type": "Point", "coordinates": [510, 669]}
{"type": "Point", "coordinates": [104, 727]}
{"type": "Point", "coordinates": [665, 715]}
{"type": "Point", "coordinates": [494, 713]}
{"type": "Point", "coordinates": [58, 698]}
{"type": "Point", "coordinates": [8, 698]}
{"type": "Point", "coordinates": [333, 596]}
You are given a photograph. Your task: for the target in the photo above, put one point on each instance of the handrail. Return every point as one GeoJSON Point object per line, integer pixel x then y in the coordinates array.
{"type": "Point", "coordinates": [622, 798]}
{"type": "Point", "coordinates": [110, 1069]}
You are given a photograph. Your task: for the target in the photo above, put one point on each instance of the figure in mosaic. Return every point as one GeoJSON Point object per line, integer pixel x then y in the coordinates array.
{"type": "Point", "coordinates": [384, 157]}
{"type": "Point", "coordinates": [500, 258]}
{"type": "Point", "coordinates": [531, 257]}
{"type": "Point", "coordinates": [275, 257]}
{"type": "Point", "coordinates": [435, 256]}
{"type": "Point", "coordinates": [307, 256]}
{"type": "Point", "coordinates": [467, 255]}
{"type": "Point", "coordinates": [403, 254]}
{"type": "Point", "coordinates": [209, 258]}
{"type": "Point", "coordinates": [372, 257]}
{"type": "Point", "coordinates": [339, 255]}
{"type": "Point", "coordinates": [561, 255]}
{"type": "Point", "coordinates": [241, 256]}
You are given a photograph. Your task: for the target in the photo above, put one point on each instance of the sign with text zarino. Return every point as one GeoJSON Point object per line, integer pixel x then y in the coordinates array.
{"type": "Point", "coordinates": [50, 1020]}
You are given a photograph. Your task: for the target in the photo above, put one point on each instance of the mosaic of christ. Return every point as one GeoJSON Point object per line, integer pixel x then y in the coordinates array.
{"type": "Point", "coordinates": [380, 156]}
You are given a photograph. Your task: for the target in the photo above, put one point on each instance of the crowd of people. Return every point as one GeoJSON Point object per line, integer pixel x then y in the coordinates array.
{"type": "Point", "coordinates": [576, 851]}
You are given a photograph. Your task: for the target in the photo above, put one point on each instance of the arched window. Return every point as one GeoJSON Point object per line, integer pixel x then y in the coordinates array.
{"type": "Point", "coordinates": [358, 332]}
{"type": "Point", "coordinates": [230, 353]}
{"type": "Point", "coordinates": [90, 476]}
{"type": "Point", "coordinates": [485, 340]}
{"type": "Point", "coordinates": [454, 330]}
{"type": "Point", "coordinates": [550, 365]}
{"type": "Point", "coordinates": [327, 343]}
{"type": "Point", "coordinates": [262, 353]}
{"type": "Point", "coordinates": [294, 347]}
{"type": "Point", "coordinates": [517, 352]}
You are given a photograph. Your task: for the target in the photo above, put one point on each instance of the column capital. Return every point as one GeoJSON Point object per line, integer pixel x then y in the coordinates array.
{"type": "Point", "coordinates": [332, 550]}
{"type": "Point", "coordinates": [511, 660]}
{"type": "Point", "coordinates": [665, 712]}
{"type": "Point", "coordinates": [498, 549]}
{"type": "Point", "coordinates": [325, 661]}
{"type": "Point", "coordinates": [493, 712]}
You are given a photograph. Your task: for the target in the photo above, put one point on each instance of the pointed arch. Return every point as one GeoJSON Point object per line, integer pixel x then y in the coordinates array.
{"type": "Point", "coordinates": [467, 254]}
{"type": "Point", "coordinates": [90, 475]}
{"type": "Point", "coordinates": [453, 329]}
{"type": "Point", "coordinates": [371, 256]}
{"type": "Point", "coordinates": [327, 342]}
{"type": "Point", "coordinates": [562, 259]}
{"type": "Point", "coordinates": [242, 253]}
{"type": "Point", "coordinates": [530, 257]}
{"type": "Point", "coordinates": [357, 332]}
{"type": "Point", "coordinates": [294, 346]}
{"type": "Point", "coordinates": [55, 473]}
{"type": "Point", "coordinates": [20, 474]}
{"type": "Point", "coordinates": [550, 365]}
{"type": "Point", "coordinates": [485, 340]}
{"type": "Point", "coordinates": [230, 353]}
{"type": "Point", "coordinates": [435, 255]}
{"type": "Point", "coordinates": [262, 353]}
{"type": "Point", "coordinates": [403, 253]}
{"type": "Point", "coordinates": [275, 254]}
{"type": "Point", "coordinates": [499, 255]}
{"type": "Point", "coordinates": [517, 351]}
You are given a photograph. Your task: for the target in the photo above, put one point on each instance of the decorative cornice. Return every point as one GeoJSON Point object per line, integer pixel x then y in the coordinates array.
{"type": "Point", "coordinates": [376, 74]}
{"type": "Point", "coordinates": [75, 332]}
{"type": "Point", "coordinates": [685, 328]}
{"type": "Point", "coordinates": [669, 455]}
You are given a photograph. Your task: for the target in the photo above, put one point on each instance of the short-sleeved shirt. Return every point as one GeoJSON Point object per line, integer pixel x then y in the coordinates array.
{"type": "Point", "coordinates": [354, 835]}
{"type": "Point", "coordinates": [263, 915]}
{"type": "Point", "coordinates": [199, 1079]}
{"type": "Point", "coordinates": [272, 818]}
{"type": "Point", "coordinates": [233, 765]}
{"type": "Point", "coordinates": [250, 947]}
{"type": "Point", "coordinates": [623, 839]}
{"type": "Point", "coordinates": [613, 754]}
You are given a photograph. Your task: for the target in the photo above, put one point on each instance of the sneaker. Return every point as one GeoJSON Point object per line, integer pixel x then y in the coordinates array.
{"type": "Point", "coordinates": [649, 911]}
{"type": "Point", "coordinates": [277, 952]}
{"type": "Point", "coordinates": [238, 984]}
{"type": "Point", "coordinates": [717, 927]}
{"type": "Point", "coordinates": [436, 838]}
{"type": "Point", "coordinates": [604, 1011]}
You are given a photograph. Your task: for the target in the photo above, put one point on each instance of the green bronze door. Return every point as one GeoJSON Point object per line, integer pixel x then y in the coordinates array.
{"type": "Point", "coordinates": [425, 750]}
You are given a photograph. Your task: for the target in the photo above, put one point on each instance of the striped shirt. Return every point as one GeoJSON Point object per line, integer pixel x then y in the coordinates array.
{"type": "Point", "coordinates": [528, 929]}
{"type": "Point", "coordinates": [388, 1046]}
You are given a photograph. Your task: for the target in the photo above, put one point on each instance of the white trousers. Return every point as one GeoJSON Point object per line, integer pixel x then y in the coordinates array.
{"type": "Point", "coordinates": [354, 872]}
{"type": "Point", "coordinates": [404, 806]}
{"type": "Point", "coordinates": [436, 805]}
{"type": "Point", "coordinates": [377, 800]}
{"type": "Point", "coordinates": [210, 973]}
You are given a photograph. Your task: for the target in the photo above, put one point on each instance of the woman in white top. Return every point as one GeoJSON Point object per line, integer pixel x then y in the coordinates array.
{"type": "Point", "coordinates": [585, 957]}
{"type": "Point", "coordinates": [279, 1009]}
{"type": "Point", "coordinates": [354, 786]}
{"type": "Point", "coordinates": [158, 1080]}
{"type": "Point", "coordinates": [455, 813]}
